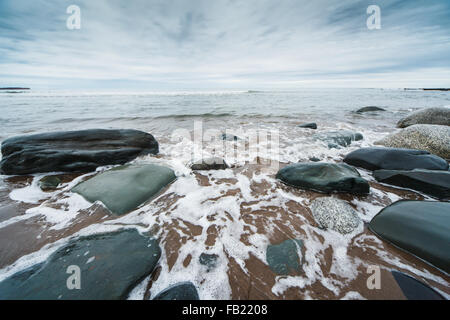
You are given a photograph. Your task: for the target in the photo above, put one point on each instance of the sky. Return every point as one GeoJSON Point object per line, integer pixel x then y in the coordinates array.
{"type": "Point", "coordinates": [224, 44]}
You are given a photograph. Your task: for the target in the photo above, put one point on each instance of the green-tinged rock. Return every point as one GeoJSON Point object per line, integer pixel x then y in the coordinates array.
{"type": "Point", "coordinates": [335, 214]}
{"type": "Point", "coordinates": [432, 138]}
{"type": "Point", "coordinates": [110, 266]}
{"type": "Point", "coordinates": [439, 116]}
{"type": "Point", "coordinates": [421, 228]}
{"type": "Point", "coordinates": [49, 183]}
{"type": "Point", "coordinates": [184, 291]}
{"type": "Point", "coordinates": [338, 139]}
{"type": "Point", "coordinates": [324, 177]}
{"type": "Point", "coordinates": [284, 259]}
{"type": "Point", "coordinates": [125, 188]}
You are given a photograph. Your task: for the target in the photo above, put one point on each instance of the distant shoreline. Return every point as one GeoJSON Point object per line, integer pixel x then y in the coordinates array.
{"type": "Point", "coordinates": [429, 89]}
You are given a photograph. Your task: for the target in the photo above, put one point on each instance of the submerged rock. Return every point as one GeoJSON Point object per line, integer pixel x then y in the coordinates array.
{"type": "Point", "coordinates": [439, 116]}
{"type": "Point", "coordinates": [181, 291]}
{"type": "Point", "coordinates": [335, 214]}
{"type": "Point", "coordinates": [229, 137]}
{"type": "Point", "coordinates": [210, 164]}
{"type": "Point", "coordinates": [110, 265]}
{"type": "Point", "coordinates": [370, 109]}
{"type": "Point", "coordinates": [413, 289]}
{"type": "Point", "coordinates": [208, 260]}
{"type": "Point", "coordinates": [432, 138]}
{"type": "Point", "coordinates": [421, 228]}
{"type": "Point", "coordinates": [324, 177]}
{"type": "Point", "coordinates": [311, 125]}
{"type": "Point", "coordinates": [337, 139]}
{"type": "Point", "coordinates": [124, 188]}
{"type": "Point", "coordinates": [284, 259]}
{"type": "Point", "coordinates": [73, 151]}
{"type": "Point", "coordinates": [395, 159]}
{"type": "Point", "coordinates": [430, 182]}
{"type": "Point", "coordinates": [49, 183]}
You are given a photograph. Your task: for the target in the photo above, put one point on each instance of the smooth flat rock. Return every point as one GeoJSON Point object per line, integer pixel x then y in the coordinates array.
{"type": "Point", "coordinates": [432, 138]}
{"type": "Point", "coordinates": [73, 151]}
{"type": "Point", "coordinates": [430, 182]}
{"type": "Point", "coordinates": [377, 158]}
{"type": "Point", "coordinates": [421, 228]}
{"type": "Point", "coordinates": [49, 183]}
{"type": "Point", "coordinates": [370, 109]}
{"type": "Point", "coordinates": [284, 259]}
{"type": "Point", "coordinates": [338, 139]}
{"type": "Point", "coordinates": [335, 214]}
{"type": "Point", "coordinates": [111, 265]}
{"type": "Point", "coordinates": [439, 116]}
{"type": "Point", "coordinates": [210, 164]}
{"type": "Point", "coordinates": [311, 125]}
{"type": "Point", "coordinates": [184, 291]}
{"type": "Point", "coordinates": [324, 177]}
{"type": "Point", "coordinates": [413, 289]}
{"type": "Point", "coordinates": [125, 188]}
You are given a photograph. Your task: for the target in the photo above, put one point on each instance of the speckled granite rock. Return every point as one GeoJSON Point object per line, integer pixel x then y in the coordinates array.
{"type": "Point", "coordinates": [283, 259]}
{"type": "Point", "coordinates": [439, 116]}
{"type": "Point", "coordinates": [432, 138]}
{"type": "Point", "coordinates": [335, 214]}
{"type": "Point", "coordinates": [184, 291]}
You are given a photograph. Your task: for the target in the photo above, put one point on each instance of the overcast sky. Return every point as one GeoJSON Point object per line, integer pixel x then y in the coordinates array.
{"type": "Point", "coordinates": [224, 44]}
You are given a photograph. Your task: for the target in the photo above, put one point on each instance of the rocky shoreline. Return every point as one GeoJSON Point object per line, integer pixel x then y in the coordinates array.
{"type": "Point", "coordinates": [309, 240]}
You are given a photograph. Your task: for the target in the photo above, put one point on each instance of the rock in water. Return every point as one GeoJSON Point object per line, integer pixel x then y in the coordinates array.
{"type": "Point", "coordinates": [311, 125]}
{"type": "Point", "coordinates": [370, 109]}
{"type": "Point", "coordinates": [49, 183]}
{"type": "Point", "coordinates": [284, 259]}
{"type": "Point", "coordinates": [210, 164]}
{"type": "Point", "coordinates": [208, 260]}
{"type": "Point", "coordinates": [335, 214]}
{"type": "Point", "coordinates": [337, 139]}
{"type": "Point", "coordinates": [421, 228]}
{"type": "Point", "coordinates": [395, 159]}
{"type": "Point", "coordinates": [439, 116]}
{"type": "Point", "coordinates": [184, 291]}
{"type": "Point", "coordinates": [324, 177]}
{"type": "Point", "coordinates": [413, 289]}
{"type": "Point", "coordinates": [432, 138]}
{"type": "Point", "coordinates": [124, 188]}
{"type": "Point", "coordinates": [74, 151]}
{"type": "Point", "coordinates": [110, 265]}
{"type": "Point", "coordinates": [433, 183]}
{"type": "Point", "coordinates": [229, 137]}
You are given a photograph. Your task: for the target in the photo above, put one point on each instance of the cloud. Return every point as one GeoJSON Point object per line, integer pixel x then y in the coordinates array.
{"type": "Point", "coordinates": [201, 44]}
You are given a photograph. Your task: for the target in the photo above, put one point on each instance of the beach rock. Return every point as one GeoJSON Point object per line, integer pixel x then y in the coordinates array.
{"type": "Point", "coordinates": [229, 137]}
{"type": "Point", "coordinates": [324, 177]}
{"type": "Point", "coordinates": [432, 138]}
{"type": "Point", "coordinates": [337, 139]}
{"type": "Point", "coordinates": [208, 260]}
{"type": "Point", "coordinates": [311, 125]}
{"type": "Point", "coordinates": [430, 182]}
{"type": "Point", "coordinates": [210, 164]}
{"type": "Point", "coordinates": [413, 289]}
{"type": "Point", "coordinates": [284, 259]}
{"type": "Point", "coordinates": [439, 116]}
{"type": "Point", "coordinates": [110, 265]}
{"type": "Point", "coordinates": [370, 109]}
{"type": "Point", "coordinates": [184, 291]}
{"type": "Point", "coordinates": [49, 183]}
{"type": "Point", "coordinates": [335, 214]}
{"type": "Point", "coordinates": [421, 228]}
{"type": "Point", "coordinates": [73, 151]}
{"type": "Point", "coordinates": [124, 188]}
{"type": "Point", "coordinates": [314, 159]}
{"type": "Point", "coordinates": [377, 158]}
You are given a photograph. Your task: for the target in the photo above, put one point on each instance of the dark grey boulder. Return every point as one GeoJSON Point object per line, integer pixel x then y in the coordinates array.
{"type": "Point", "coordinates": [125, 188]}
{"type": "Point", "coordinates": [421, 228]}
{"type": "Point", "coordinates": [338, 139]}
{"type": "Point", "coordinates": [324, 177]}
{"type": "Point", "coordinates": [370, 109]}
{"type": "Point", "coordinates": [311, 125]}
{"type": "Point", "coordinates": [439, 116]}
{"type": "Point", "coordinates": [229, 137]}
{"type": "Point", "coordinates": [413, 289]}
{"type": "Point", "coordinates": [208, 260]}
{"type": "Point", "coordinates": [284, 259]}
{"type": "Point", "coordinates": [430, 182]}
{"type": "Point", "coordinates": [49, 183]}
{"type": "Point", "coordinates": [210, 164]}
{"type": "Point", "coordinates": [111, 265]}
{"type": "Point", "coordinates": [73, 151]}
{"type": "Point", "coordinates": [184, 291]}
{"type": "Point", "coordinates": [395, 159]}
